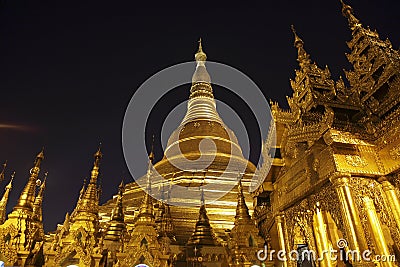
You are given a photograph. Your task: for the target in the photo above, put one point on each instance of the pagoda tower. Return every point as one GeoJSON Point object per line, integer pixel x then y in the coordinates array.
{"type": "Point", "coordinates": [183, 164]}
{"type": "Point", "coordinates": [143, 246]}
{"type": "Point", "coordinates": [4, 200]}
{"type": "Point", "coordinates": [77, 240]}
{"type": "Point", "coordinates": [339, 152]}
{"type": "Point", "coordinates": [21, 234]}
{"type": "Point", "coordinates": [245, 240]}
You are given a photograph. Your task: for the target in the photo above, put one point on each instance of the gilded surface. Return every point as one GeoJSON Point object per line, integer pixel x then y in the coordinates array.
{"type": "Point", "coordinates": [336, 176]}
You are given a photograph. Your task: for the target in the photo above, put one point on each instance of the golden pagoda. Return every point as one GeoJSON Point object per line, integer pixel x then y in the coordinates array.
{"type": "Point", "coordinates": [334, 185]}
{"type": "Point", "coordinates": [21, 233]}
{"type": "Point", "coordinates": [201, 122]}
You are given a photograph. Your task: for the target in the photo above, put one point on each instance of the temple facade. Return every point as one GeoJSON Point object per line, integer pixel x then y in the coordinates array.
{"type": "Point", "coordinates": [330, 199]}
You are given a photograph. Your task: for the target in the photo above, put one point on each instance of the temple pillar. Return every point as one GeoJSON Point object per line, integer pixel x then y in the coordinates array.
{"type": "Point", "coordinates": [352, 223]}
{"type": "Point", "coordinates": [393, 200]}
{"type": "Point", "coordinates": [279, 219]}
{"type": "Point", "coordinates": [320, 231]}
{"type": "Point", "coordinates": [381, 247]}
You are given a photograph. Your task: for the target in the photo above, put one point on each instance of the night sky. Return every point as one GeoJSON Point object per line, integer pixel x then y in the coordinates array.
{"type": "Point", "coordinates": [69, 68]}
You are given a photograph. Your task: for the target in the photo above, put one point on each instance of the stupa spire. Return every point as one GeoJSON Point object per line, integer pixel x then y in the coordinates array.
{"type": "Point", "coordinates": [89, 200]}
{"type": "Point", "coordinates": [117, 213]}
{"type": "Point", "coordinates": [37, 206]}
{"type": "Point", "coordinates": [202, 234]}
{"type": "Point", "coordinates": [95, 171]}
{"type": "Point", "coordinates": [116, 225]}
{"type": "Point", "coordinates": [27, 196]}
{"type": "Point", "coordinates": [348, 12]}
{"type": "Point", "coordinates": [146, 215]}
{"type": "Point", "coordinates": [4, 200]}
{"type": "Point", "coordinates": [201, 75]}
{"type": "Point", "coordinates": [201, 103]}
{"type": "Point", "coordinates": [242, 211]}
{"type": "Point", "coordinates": [302, 56]}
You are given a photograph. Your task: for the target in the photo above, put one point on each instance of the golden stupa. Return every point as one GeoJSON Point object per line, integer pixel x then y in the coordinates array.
{"type": "Point", "coordinates": [201, 151]}
{"type": "Point", "coordinates": [334, 184]}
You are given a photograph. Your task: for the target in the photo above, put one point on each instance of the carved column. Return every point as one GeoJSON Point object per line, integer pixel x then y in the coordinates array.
{"type": "Point", "coordinates": [282, 244]}
{"type": "Point", "coordinates": [390, 193]}
{"type": "Point", "coordinates": [324, 251]}
{"type": "Point", "coordinates": [351, 219]}
{"type": "Point", "coordinates": [381, 247]}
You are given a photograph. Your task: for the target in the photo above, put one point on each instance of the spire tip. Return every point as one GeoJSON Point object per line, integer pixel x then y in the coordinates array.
{"type": "Point", "coordinates": [41, 153]}
{"type": "Point", "coordinates": [200, 46]}
{"type": "Point", "coordinates": [200, 56]}
{"type": "Point", "coordinates": [348, 12]}
{"type": "Point", "coordinates": [98, 153]}
{"type": "Point", "coordinates": [297, 40]}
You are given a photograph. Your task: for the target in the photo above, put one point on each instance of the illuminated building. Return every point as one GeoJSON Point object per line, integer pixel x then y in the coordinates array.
{"type": "Point", "coordinates": [335, 177]}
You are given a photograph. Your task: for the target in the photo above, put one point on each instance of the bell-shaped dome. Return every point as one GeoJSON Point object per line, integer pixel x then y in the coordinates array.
{"type": "Point", "coordinates": [202, 142]}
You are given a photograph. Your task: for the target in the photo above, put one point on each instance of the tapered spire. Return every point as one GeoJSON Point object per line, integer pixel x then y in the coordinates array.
{"type": "Point", "coordinates": [347, 11]}
{"type": "Point", "coordinates": [89, 200]}
{"type": "Point", "coordinates": [4, 200]}
{"type": "Point", "coordinates": [116, 226]}
{"type": "Point", "coordinates": [146, 215]}
{"type": "Point", "coordinates": [302, 56]}
{"type": "Point", "coordinates": [201, 75]}
{"type": "Point", "coordinates": [202, 234]}
{"type": "Point", "coordinates": [200, 56]}
{"type": "Point", "coordinates": [3, 171]}
{"type": "Point", "coordinates": [37, 206]}
{"type": "Point", "coordinates": [96, 165]}
{"type": "Point", "coordinates": [27, 196]}
{"type": "Point", "coordinates": [242, 211]}
{"type": "Point", "coordinates": [82, 192]}
{"type": "Point", "coordinates": [117, 213]}
{"type": "Point", "coordinates": [201, 103]}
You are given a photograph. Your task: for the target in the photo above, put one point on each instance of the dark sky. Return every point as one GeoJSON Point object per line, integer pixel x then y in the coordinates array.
{"type": "Point", "coordinates": [69, 68]}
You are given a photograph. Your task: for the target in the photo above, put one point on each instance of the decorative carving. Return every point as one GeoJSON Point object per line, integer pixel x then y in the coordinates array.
{"type": "Point", "coordinates": [356, 161]}
{"type": "Point", "coordinates": [7, 248]}
{"type": "Point", "coordinates": [395, 152]}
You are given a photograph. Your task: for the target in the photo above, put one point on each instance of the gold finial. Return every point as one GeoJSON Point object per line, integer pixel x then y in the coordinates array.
{"type": "Point", "coordinates": [302, 56]}
{"type": "Point", "coordinates": [39, 158]}
{"type": "Point", "coordinates": [121, 188]}
{"type": "Point", "coordinates": [98, 153]}
{"type": "Point", "coordinates": [200, 47]}
{"type": "Point", "coordinates": [347, 11]}
{"type": "Point", "coordinates": [297, 40]}
{"type": "Point", "coordinates": [42, 185]}
{"type": "Point", "coordinates": [41, 154]}
{"type": "Point", "coordinates": [82, 192]}
{"type": "Point", "coordinates": [44, 179]}
{"type": "Point", "coordinates": [9, 186]}
{"type": "Point", "coordinates": [200, 56]}
{"type": "Point", "coordinates": [95, 171]}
